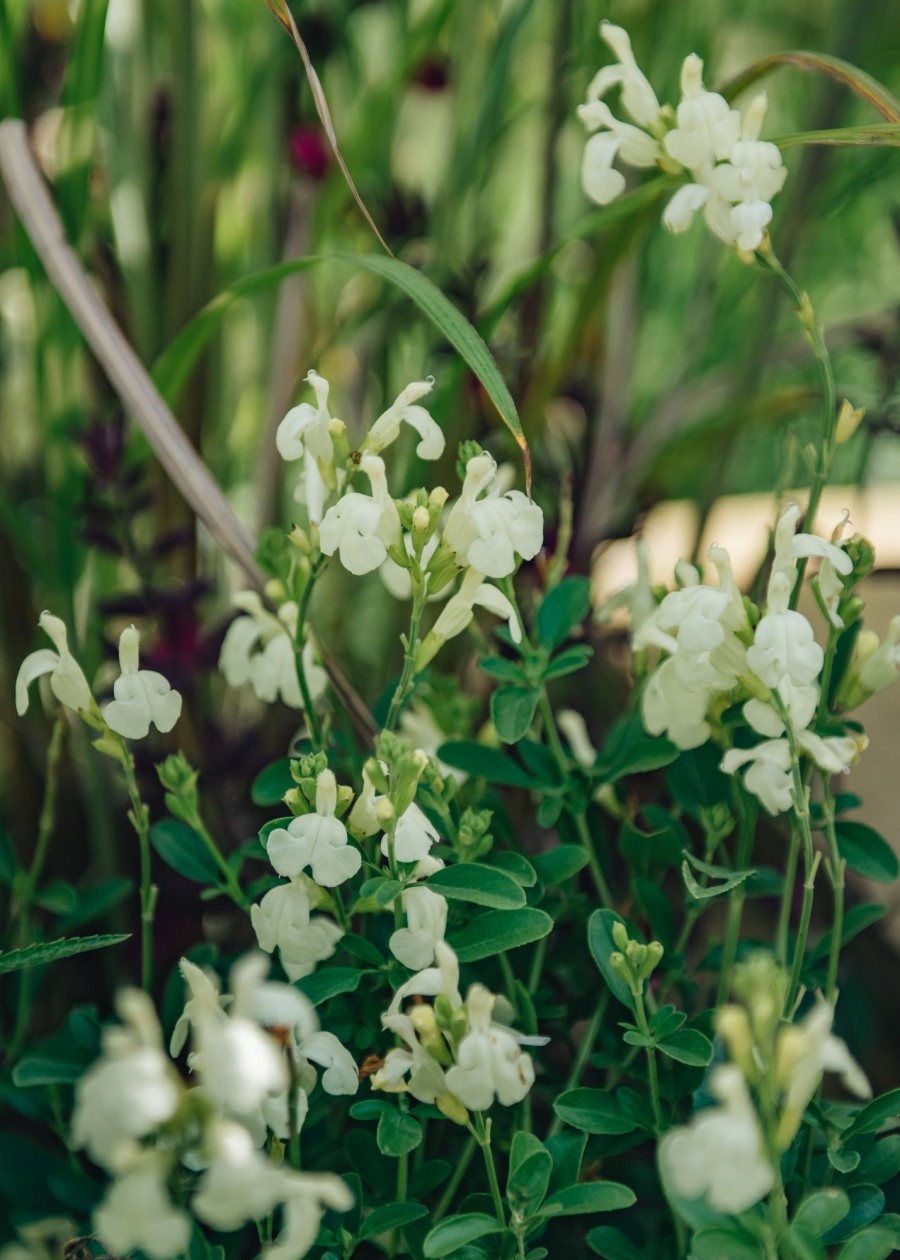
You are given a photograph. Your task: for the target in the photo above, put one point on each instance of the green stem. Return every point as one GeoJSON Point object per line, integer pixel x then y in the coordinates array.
{"type": "Point", "coordinates": [652, 1072]}
{"type": "Point", "coordinates": [835, 868]}
{"type": "Point", "coordinates": [293, 1118]}
{"type": "Point", "coordinates": [407, 677]}
{"type": "Point", "coordinates": [45, 829]}
{"type": "Point", "coordinates": [483, 1137]}
{"type": "Point", "coordinates": [809, 323]}
{"type": "Point", "coordinates": [787, 894]}
{"type": "Point", "coordinates": [585, 1050]}
{"type": "Point", "coordinates": [810, 858]}
{"type": "Point", "coordinates": [139, 817]}
{"type": "Point", "coordinates": [312, 718]}
{"type": "Point", "coordinates": [459, 1171]}
{"type": "Point", "coordinates": [235, 892]}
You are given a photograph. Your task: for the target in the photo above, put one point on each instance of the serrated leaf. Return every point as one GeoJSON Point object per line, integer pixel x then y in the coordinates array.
{"type": "Point", "coordinates": [51, 951]}
{"type": "Point", "coordinates": [498, 931]}
{"type": "Point", "coordinates": [479, 884]}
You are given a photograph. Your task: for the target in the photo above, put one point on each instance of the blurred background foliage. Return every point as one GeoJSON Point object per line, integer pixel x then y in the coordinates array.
{"type": "Point", "coordinates": [184, 152]}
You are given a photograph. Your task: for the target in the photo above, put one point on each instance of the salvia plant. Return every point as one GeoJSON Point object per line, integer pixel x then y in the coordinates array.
{"type": "Point", "coordinates": [416, 1035]}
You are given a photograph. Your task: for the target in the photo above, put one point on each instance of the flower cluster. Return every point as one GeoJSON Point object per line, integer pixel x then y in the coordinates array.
{"type": "Point", "coordinates": [718, 649]}
{"type": "Point", "coordinates": [731, 174]}
{"type": "Point", "coordinates": [259, 649]}
{"type": "Point", "coordinates": [142, 697]}
{"type": "Point", "coordinates": [453, 1055]}
{"type": "Point", "coordinates": [253, 1064]}
{"type": "Point", "coordinates": [727, 1154]}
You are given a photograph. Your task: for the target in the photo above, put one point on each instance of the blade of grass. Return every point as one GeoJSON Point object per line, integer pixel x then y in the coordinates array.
{"type": "Point", "coordinates": [869, 89]}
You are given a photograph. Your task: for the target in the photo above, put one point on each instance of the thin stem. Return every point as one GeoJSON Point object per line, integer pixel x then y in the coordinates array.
{"type": "Point", "coordinates": [235, 892]}
{"type": "Point", "coordinates": [583, 1054]}
{"type": "Point", "coordinates": [652, 1072]}
{"type": "Point", "coordinates": [835, 868]}
{"type": "Point", "coordinates": [810, 858]}
{"type": "Point", "coordinates": [139, 817]}
{"type": "Point", "coordinates": [293, 1118]}
{"type": "Point", "coordinates": [407, 677]}
{"type": "Point", "coordinates": [483, 1136]}
{"type": "Point", "coordinates": [462, 1165]}
{"type": "Point", "coordinates": [312, 718]}
{"type": "Point", "coordinates": [787, 895]}
{"type": "Point", "coordinates": [45, 828]}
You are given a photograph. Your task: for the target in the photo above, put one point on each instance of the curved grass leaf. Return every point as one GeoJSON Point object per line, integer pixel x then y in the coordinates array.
{"type": "Point", "coordinates": [878, 133]}
{"type": "Point", "coordinates": [869, 89]}
{"type": "Point", "coordinates": [49, 951]}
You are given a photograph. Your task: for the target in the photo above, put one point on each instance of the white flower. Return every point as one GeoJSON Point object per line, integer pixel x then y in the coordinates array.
{"type": "Point", "coordinates": [574, 727]}
{"type": "Point", "coordinates": [411, 1068]}
{"type": "Point", "coordinates": [804, 1052]}
{"type": "Point", "coordinates": [769, 776]}
{"type": "Point", "coordinates": [426, 923]}
{"type": "Point", "coordinates": [318, 841]}
{"type": "Point", "coordinates": [831, 582]}
{"type": "Point", "coordinates": [67, 682]}
{"type": "Point", "coordinates": [258, 648]}
{"type": "Point", "coordinates": [720, 1155]}
{"type": "Point", "coordinates": [638, 97]}
{"type": "Point", "coordinates": [203, 997]}
{"type": "Point", "coordinates": [304, 1206]}
{"type": "Point", "coordinates": [129, 1091]}
{"type": "Point", "coordinates": [282, 921]}
{"type": "Point", "coordinates": [670, 708]}
{"type": "Point", "coordinates": [341, 1075]}
{"type": "Point", "coordinates": [239, 1064]}
{"type": "Point", "coordinates": [487, 533]}
{"type": "Point", "coordinates": [754, 174]}
{"type": "Point", "coordinates": [799, 702]}
{"type": "Point", "coordinates": [137, 1214]}
{"type": "Point", "coordinates": [708, 128]}
{"type": "Point", "coordinates": [239, 1184]}
{"type": "Point", "coordinates": [460, 609]}
{"type": "Point", "coordinates": [784, 645]}
{"type": "Point", "coordinates": [441, 980]}
{"type": "Point", "coordinates": [386, 428]}
{"type": "Point", "coordinates": [304, 433]}
{"type": "Point", "coordinates": [362, 527]}
{"type": "Point", "coordinates": [413, 836]}
{"type": "Point", "coordinates": [142, 696]}
{"type": "Point", "coordinates": [489, 1061]}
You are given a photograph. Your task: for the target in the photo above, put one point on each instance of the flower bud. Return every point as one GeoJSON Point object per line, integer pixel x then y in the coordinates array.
{"type": "Point", "coordinates": [421, 519]}
{"type": "Point", "coordinates": [620, 935]}
{"type": "Point", "coordinates": [384, 811]}
{"type": "Point", "coordinates": [848, 421]}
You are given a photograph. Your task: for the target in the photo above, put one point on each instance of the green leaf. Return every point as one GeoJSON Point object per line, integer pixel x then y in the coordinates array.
{"type": "Point", "coordinates": [530, 1169]}
{"type": "Point", "coordinates": [882, 1162]}
{"type": "Point", "coordinates": [875, 1114]}
{"type": "Point", "coordinates": [457, 1232]}
{"type": "Point", "coordinates": [871, 91]}
{"type": "Point", "coordinates": [94, 902]}
{"type": "Point", "coordinates": [876, 1243]}
{"type": "Point", "coordinates": [867, 852]}
{"type": "Point", "coordinates": [270, 785]}
{"type": "Point", "coordinates": [564, 608]}
{"type": "Point", "coordinates": [822, 1210]}
{"type": "Point", "coordinates": [328, 983]}
{"type": "Point", "coordinates": [569, 661]}
{"type": "Point", "coordinates": [180, 847]}
{"type": "Point", "coordinates": [602, 945]}
{"type": "Point", "coordinates": [515, 865]}
{"type": "Point", "coordinates": [649, 851]}
{"type": "Point", "coordinates": [455, 327]}
{"type": "Point", "coordinates": [698, 892]}
{"type": "Point", "coordinates": [856, 920]}
{"type": "Point", "coordinates": [559, 864]}
{"type": "Point", "coordinates": [612, 1244]}
{"type": "Point", "coordinates": [479, 884]}
{"type": "Point", "coordinates": [688, 1046]}
{"type": "Point", "coordinates": [866, 1205]}
{"type": "Point", "coordinates": [502, 669]}
{"type": "Point", "coordinates": [391, 1216]}
{"type": "Point", "coordinates": [887, 134]}
{"type": "Point", "coordinates": [630, 750]}
{"type": "Point", "coordinates": [8, 862]}
{"type": "Point", "coordinates": [593, 1111]}
{"type": "Point", "coordinates": [397, 1133]}
{"type": "Point", "coordinates": [499, 931]}
{"type": "Point", "coordinates": [729, 1241]}
{"type": "Point", "coordinates": [589, 1196]}
{"type": "Point", "coordinates": [482, 762]}
{"type": "Point", "coordinates": [50, 951]}
{"type": "Point", "coordinates": [512, 711]}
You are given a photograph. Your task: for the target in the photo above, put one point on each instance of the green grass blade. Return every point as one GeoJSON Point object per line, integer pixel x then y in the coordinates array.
{"type": "Point", "coordinates": [50, 951]}
{"type": "Point", "coordinates": [869, 89]}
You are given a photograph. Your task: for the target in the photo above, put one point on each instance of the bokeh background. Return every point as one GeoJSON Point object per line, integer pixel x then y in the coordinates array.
{"type": "Point", "coordinates": [663, 384]}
